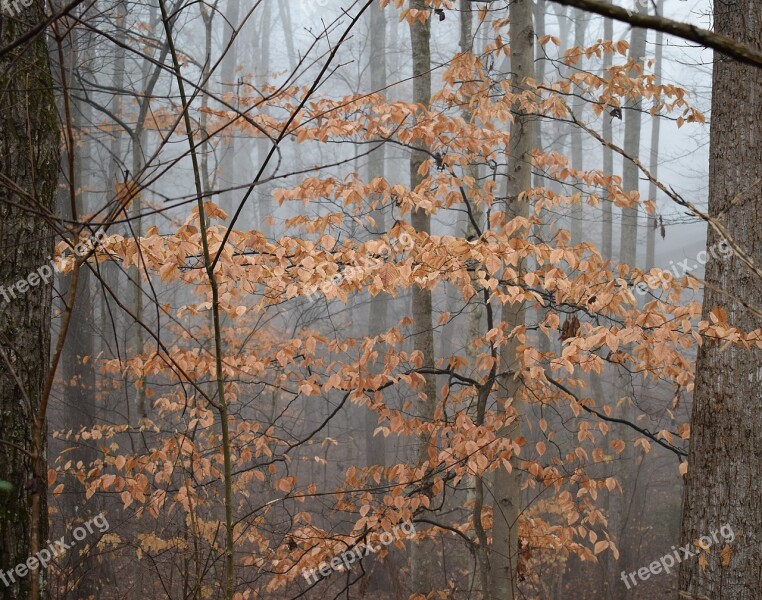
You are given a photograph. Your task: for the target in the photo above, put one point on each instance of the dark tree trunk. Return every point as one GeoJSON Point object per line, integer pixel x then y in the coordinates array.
{"type": "Point", "coordinates": [724, 483]}
{"type": "Point", "coordinates": [29, 159]}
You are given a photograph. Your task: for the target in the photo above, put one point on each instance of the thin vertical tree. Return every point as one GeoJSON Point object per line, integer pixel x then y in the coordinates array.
{"type": "Point", "coordinates": [578, 107]}
{"type": "Point", "coordinates": [423, 333]}
{"type": "Point", "coordinates": [420, 34]}
{"type": "Point", "coordinates": [655, 131]}
{"type": "Point", "coordinates": [506, 492]}
{"type": "Point", "coordinates": [632, 128]}
{"type": "Point", "coordinates": [607, 235]}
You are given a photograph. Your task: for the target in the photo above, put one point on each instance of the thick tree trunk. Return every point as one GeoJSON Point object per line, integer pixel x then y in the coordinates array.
{"type": "Point", "coordinates": [29, 155]}
{"type": "Point", "coordinates": [724, 482]}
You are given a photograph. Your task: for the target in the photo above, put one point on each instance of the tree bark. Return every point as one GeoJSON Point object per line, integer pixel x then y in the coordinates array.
{"type": "Point", "coordinates": [632, 127]}
{"type": "Point", "coordinates": [504, 554]}
{"type": "Point", "coordinates": [229, 159]}
{"type": "Point", "coordinates": [607, 236]}
{"type": "Point", "coordinates": [423, 340]}
{"type": "Point", "coordinates": [578, 107]}
{"type": "Point", "coordinates": [379, 304]}
{"type": "Point", "coordinates": [655, 131]}
{"type": "Point", "coordinates": [29, 153]}
{"type": "Point", "coordinates": [423, 333]}
{"type": "Point", "coordinates": [724, 481]}
{"type": "Point", "coordinates": [79, 389]}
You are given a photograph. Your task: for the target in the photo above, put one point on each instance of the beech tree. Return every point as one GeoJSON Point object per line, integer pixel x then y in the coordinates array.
{"type": "Point", "coordinates": [725, 465]}
{"type": "Point", "coordinates": [29, 147]}
{"type": "Point", "coordinates": [356, 303]}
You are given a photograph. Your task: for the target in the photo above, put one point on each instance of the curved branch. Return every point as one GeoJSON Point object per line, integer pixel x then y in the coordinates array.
{"type": "Point", "coordinates": [645, 432]}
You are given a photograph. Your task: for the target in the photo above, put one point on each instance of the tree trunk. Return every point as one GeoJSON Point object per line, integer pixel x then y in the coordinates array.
{"type": "Point", "coordinates": [724, 482]}
{"type": "Point", "coordinates": [265, 206]}
{"type": "Point", "coordinates": [655, 130]}
{"type": "Point", "coordinates": [504, 554]}
{"type": "Point", "coordinates": [607, 236]}
{"type": "Point", "coordinates": [423, 334]}
{"type": "Point", "coordinates": [578, 107]}
{"type": "Point", "coordinates": [632, 126]}
{"type": "Point", "coordinates": [229, 157]}
{"type": "Point", "coordinates": [29, 153]}
{"type": "Point", "coordinates": [288, 33]}
{"type": "Point", "coordinates": [379, 304]}
{"type": "Point", "coordinates": [79, 389]}
{"type": "Point", "coordinates": [423, 339]}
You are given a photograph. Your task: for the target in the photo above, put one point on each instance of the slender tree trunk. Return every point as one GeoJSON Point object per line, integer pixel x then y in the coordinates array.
{"type": "Point", "coordinates": [724, 482]}
{"type": "Point", "coordinates": [228, 157]}
{"type": "Point", "coordinates": [79, 390]}
{"type": "Point", "coordinates": [655, 130]}
{"type": "Point", "coordinates": [422, 309]}
{"type": "Point", "coordinates": [608, 158]}
{"type": "Point", "coordinates": [29, 140]}
{"type": "Point", "coordinates": [477, 310]}
{"type": "Point", "coordinates": [379, 304]}
{"type": "Point", "coordinates": [632, 127]}
{"type": "Point", "coordinates": [540, 230]}
{"type": "Point", "coordinates": [578, 107]}
{"type": "Point", "coordinates": [628, 255]}
{"type": "Point", "coordinates": [423, 334]}
{"type": "Point", "coordinates": [265, 204]}
{"type": "Point", "coordinates": [110, 271]}
{"type": "Point", "coordinates": [284, 9]}
{"type": "Point", "coordinates": [613, 503]}
{"type": "Point", "coordinates": [504, 554]}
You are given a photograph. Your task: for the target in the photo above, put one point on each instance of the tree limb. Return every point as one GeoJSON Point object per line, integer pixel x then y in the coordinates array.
{"type": "Point", "coordinates": [716, 41]}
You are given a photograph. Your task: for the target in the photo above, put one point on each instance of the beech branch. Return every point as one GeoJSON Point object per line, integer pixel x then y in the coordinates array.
{"type": "Point", "coordinates": [678, 451]}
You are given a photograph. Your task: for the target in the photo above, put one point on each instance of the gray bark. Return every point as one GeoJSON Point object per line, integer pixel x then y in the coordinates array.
{"type": "Point", "coordinates": [504, 554]}
{"type": "Point", "coordinates": [632, 127]}
{"type": "Point", "coordinates": [578, 107]}
{"type": "Point", "coordinates": [724, 481]}
{"type": "Point", "coordinates": [655, 131]}
{"type": "Point", "coordinates": [608, 158]}
{"type": "Point", "coordinates": [423, 334]}
{"type": "Point", "coordinates": [228, 157]}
